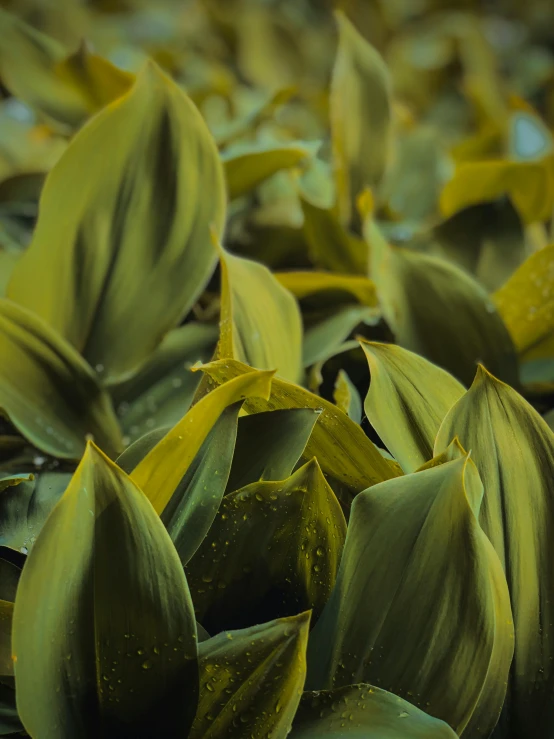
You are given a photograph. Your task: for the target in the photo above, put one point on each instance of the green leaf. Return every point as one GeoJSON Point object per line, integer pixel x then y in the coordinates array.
{"type": "Point", "coordinates": [138, 450]}
{"type": "Point", "coordinates": [326, 336]}
{"type": "Point", "coordinates": [360, 110]}
{"type": "Point", "coordinates": [341, 447]}
{"type": "Point", "coordinates": [159, 473]}
{"type": "Point", "coordinates": [273, 550]}
{"type": "Point", "coordinates": [247, 167]}
{"type": "Point", "coordinates": [25, 508]}
{"type": "Point", "coordinates": [347, 397]}
{"type": "Point", "coordinates": [193, 506]}
{"type": "Point", "coordinates": [49, 392]}
{"type": "Point", "coordinates": [330, 244]}
{"type": "Point", "coordinates": [161, 392]}
{"type": "Point", "coordinates": [514, 450]}
{"type": "Point", "coordinates": [363, 712]}
{"type": "Point", "coordinates": [251, 680]}
{"type": "Point", "coordinates": [269, 444]}
{"type": "Point", "coordinates": [115, 654]}
{"type": "Point", "coordinates": [422, 297]}
{"type": "Point", "coordinates": [68, 89]}
{"type": "Point", "coordinates": [526, 304]}
{"type": "Point", "coordinates": [408, 398]}
{"type": "Point", "coordinates": [150, 218]}
{"type": "Point", "coordinates": [6, 615]}
{"type": "Point", "coordinates": [9, 720]}
{"type": "Point", "coordinates": [434, 625]}
{"type": "Point", "coordinates": [260, 319]}
{"type": "Point", "coordinates": [9, 576]}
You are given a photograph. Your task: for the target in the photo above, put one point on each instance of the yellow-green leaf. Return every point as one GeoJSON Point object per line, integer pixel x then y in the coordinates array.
{"type": "Point", "coordinates": [342, 449]}
{"type": "Point", "coordinates": [328, 284]}
{"type": "Point", "coordinates": [513, 448]}
{"type": "Point", "coordinates": [161, 471]}
{"type": "Point", "coordinates": [360, 109]}
{"type": "Point", "coordinates": [273, 549]}
{"type": "Point", "coordinates": [49, 392]}
{"type": "Point", "coordinates": [260, 320]}
{"type": "Point", "coordinates": [249, 166]}
{"type": "Point", "coordinates": [408, 398]}
{"type": "Point", "coordinates": [117, 636]}
{"type": "Point", "coordinates": [251, 680]}
{"type": "Point", "coordinates": [150, 219]}
{"type": "Point", "coordinates": [439, 311]}
{"type": "Point", "coordinates": [529, 184]}
{"type": "Point", "coordinates": [526, 304]}
{"type": "Point", "coordinates": [347, 397]}
{"type": "Point", "coordinates": [434, 625]}
{"type": "Point", "coordinates": [363, 712]}
{"type": "Point", "coordinates": [66, 88]}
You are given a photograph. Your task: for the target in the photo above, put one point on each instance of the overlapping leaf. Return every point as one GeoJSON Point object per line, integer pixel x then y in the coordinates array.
{"type": "Point", "coordinates": [434, 624]}
{"type": "Point", "coordinates": [149, 218]}
{"type": "Point", "coordinates": [407, 401]}
{"type": "Point", "coordinates": [97, 666]}
{"type": "Point", "coordinates": [342, 449]}
{"type": "Point", "coordinates": [273, 549]}
{"type": "Point", "coordinates": [251, 680]}
{"type": "Point", "coordinates": [514, 450]}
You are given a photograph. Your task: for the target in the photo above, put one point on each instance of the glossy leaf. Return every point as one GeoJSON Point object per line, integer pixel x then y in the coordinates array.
{"type": "Point", "coordinates": [526, 304]}
{"type": "Point", "coordinates": [422, 297]}
{"type": "Point", "coordinates": [49, 392]}
{"type": "Point", "coordinates": [161, 392]}
{"type": "Point", "coordinates": [308, 284]}
{"type": "Point", "coordinates": [363, 712]}
{"type": "Point", "coordinates": [150, 218]}
{"type": "Point", "coordinates": [260, 320]}
{"type": "Point", "coordinates": [37, 69]}
{"type": "Point", "coordinates": [269, 444]}
{"type": "Point", "coordinates": [514, 450]}
{"type": "Point", "coordinates": [193, 506]}
{"type": "Point", "coordinates": [341, 447]}
{"type": "Point", "coordinates": [347, 397]}
{"type": "Point", "coordinates": [529, 185]}
{"type": "Point", "coordinates": [106, 632]}
{"type": "Point", "coordinates": [433, 625]}
{"type": "Point", "coordinates": [408, 398]}
{"type": "Point", "coordinates": [25, 508]}
{"type": "Point", "coordinates": [360, 110]}
{"type": "Point", "coordinates": [163, 468]}
{"type": "Point", "coordinates": [246, 168]}
{"type": "Point", "coordinates": [251, 680]}
{"type": "Point", "coordinates": [273, 550]}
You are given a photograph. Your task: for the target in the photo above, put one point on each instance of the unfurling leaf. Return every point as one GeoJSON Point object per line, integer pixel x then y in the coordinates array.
{"type": "Point", "coordinates": [115, 653]}
{"type": "Point", "coordinates": [432, 625]}
{"type": "Point", "coordinates": [150, 218]}
{"type": "Point", "coordinates": [360, 109]}
{"type": "Point", "coordinates": [513, 449]}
